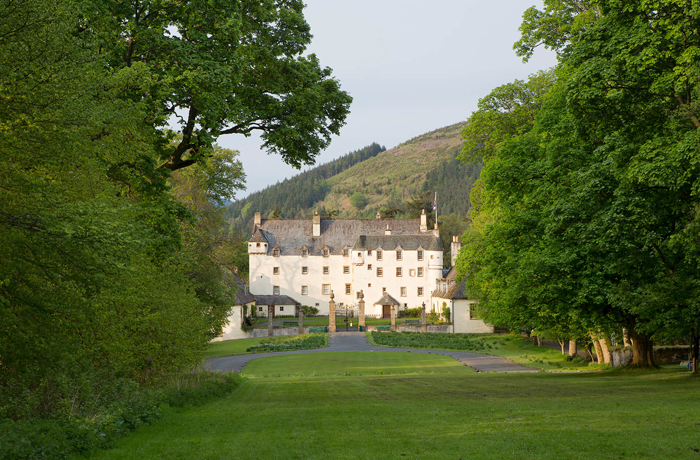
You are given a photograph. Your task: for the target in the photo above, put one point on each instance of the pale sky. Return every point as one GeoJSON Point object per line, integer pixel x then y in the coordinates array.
{"type": "Point", "coordinates": [411, 67]}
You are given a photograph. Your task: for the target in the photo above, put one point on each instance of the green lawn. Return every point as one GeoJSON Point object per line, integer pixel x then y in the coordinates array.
{"type": "Point", "coordinates": [240, 346]}
{"type": "Point", "coordinates": [449, 414]}
{"type": "Point", "coordinates": [357, 363]}
{"type": "Point", "coordinates": [513, 347]}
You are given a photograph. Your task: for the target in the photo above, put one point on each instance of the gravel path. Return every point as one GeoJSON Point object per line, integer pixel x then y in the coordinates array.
{"type": "Point", "coordinates": [357, 341]}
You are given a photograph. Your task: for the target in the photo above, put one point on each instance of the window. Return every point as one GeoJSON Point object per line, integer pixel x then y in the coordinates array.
{"type": "Point", "coordinates": [260, 309]}
{"type": "Point", "coordinates": [399, 254]}
{"type": "Point", "coordinates": [379, 254]}
{"type": "Point", "coordinates": [304, 270]}
{"type": "Point", "coordinates": [325, 252]}
{"type": "Point", "coordinates": [276, 271]}
{"type": "Point", "coordinates": [369, 284]}
{"type": "Point", "coordinates": [420, 292]}
{"type": "Point", "coordinates": [326, 270]}
{"type": "Point", "coordinates": [257, 245]}
{"type": "Point", "coordinates": [369, 252]}
{"type": "Point", "coordinates": [305, 290]}
{"type": "Point", "coordinates": [420, 271]}
{"type": "Point", "coordinates": [276, 252]}
{"type": "Point", "coordinates": [431, 256]}
{"type": "Point", "coordinates": [358, 295]}
{"type": "Point", "coordinates": [346, 252]}
{"type": "Point", "coordinates": [420, 254]}
{"type": "Point", "coordinates": [304, 251]}
{"type": "Point", "coordinates": [473, 311]}
{"type": "Point", "coordinates": [383, 290]}
{"type": "Point", "coordinates": [348, 289]}
{"type": "Point", "coordinates": [281, 308]}
{"type": "Point", "coordinates": [412, 272]}
{"type": "Point", "coordinates": [326, 289]}
{"type": "Point", "coordinates": [369, 266]}
{"type": "Point", "coordinates": [380, 271]}
{"type": "Point", "coordinates": [403, 292]}
{"type": "Point", "coordinates": [275, 290]}
{"type": "Point", "coordinates": [346, 269]}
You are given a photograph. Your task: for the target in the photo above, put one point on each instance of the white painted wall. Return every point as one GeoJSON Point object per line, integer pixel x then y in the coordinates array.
{"type": "Point", "coordinates": [460, 309]}
{"type": "Point", "coordinates": [233, 330]}
{"type": "Point", "coordinates": [291, 279]}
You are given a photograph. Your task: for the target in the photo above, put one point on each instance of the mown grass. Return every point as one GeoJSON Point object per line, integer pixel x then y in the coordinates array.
{"type": "Point", "coordinates": [604, 415]}
{"type": "Point", "coordinates": [513, 347]}
{"type": "Point", "coordinates": [356, 363]}
{"type": "Point", "coordinates": [241, 346]}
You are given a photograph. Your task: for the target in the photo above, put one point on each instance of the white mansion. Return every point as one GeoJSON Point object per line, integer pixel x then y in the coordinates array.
{"type": "Point", "coordinates": [307, 259]}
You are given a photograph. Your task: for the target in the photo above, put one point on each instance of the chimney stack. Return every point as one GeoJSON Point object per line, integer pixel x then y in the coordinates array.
{"type": "Point", "coordinates": [423, 222]}
{"type": "Point", "coordinates": [317, 225]}
{"type": "Point", "coordinates": [388, 230]}
{"type": "Point", "coordinates": [456, 246]}
{"type": "Point", "coordinates": [257, 222]}
{"type": "Point", "coordinates": [379, 216]}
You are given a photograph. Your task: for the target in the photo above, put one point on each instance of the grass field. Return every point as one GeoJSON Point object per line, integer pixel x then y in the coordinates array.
{"type": "Point", "coordinates": [240, 346]}
{"type": "Point", "coordinates": [450, 413]}
{"type": "Point", "coordinates": [513, 347]}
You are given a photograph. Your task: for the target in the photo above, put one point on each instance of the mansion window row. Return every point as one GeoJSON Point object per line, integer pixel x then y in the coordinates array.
{"type": "Point", "coordinates": [346, 270]}
{"type": "Point", "coordinates": [326, 290]}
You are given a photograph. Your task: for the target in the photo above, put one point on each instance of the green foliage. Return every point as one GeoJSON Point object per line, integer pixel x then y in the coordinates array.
{"type": "Point", "coordinates": [412, 312]}
{"type": "Point", "coordinates": [223, 69]}
{"type": "Point", "coordinates": [359, 200]}
{"type": "Point", "coordinates": [420, 340]}
{"type": "Point", "coordinates": [296, 195]}
{"type": "Point", "coordinates": [115, 409]}
{"type": "Point", "coordinates": [288, 343]}
{"type": "Point", "coordinates": [309, 311]}
{"type": "Point", "coordinates": [446, 313]}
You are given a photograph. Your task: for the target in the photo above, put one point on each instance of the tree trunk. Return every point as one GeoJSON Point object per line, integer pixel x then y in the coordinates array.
{"type": "Point", "coordinates": [588, 350]}
{"type": "Point", "coordinates": [605, 348]}
{"type": "Point", "coordinates": [642, 350]}
{"type": "Point", "coordinates": [598, 350]}
{"type": "Point", "coordinates": [561, 344]}
{"type": "Point", "coordinates": [626, 337]}
{"type": "Point", "coordinates": [572, 348]}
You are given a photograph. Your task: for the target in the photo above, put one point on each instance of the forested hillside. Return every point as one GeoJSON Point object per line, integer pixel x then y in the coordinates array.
{"type": "Point", "coordinates": [372, 180]}
{"type": "Point", "coordinates": [295, 196]}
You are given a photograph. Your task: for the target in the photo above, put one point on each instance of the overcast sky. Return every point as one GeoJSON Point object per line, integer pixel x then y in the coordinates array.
{"type": "Point", "coordinates": [410, 66]}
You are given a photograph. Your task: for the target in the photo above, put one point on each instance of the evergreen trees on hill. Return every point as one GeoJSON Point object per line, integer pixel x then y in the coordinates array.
{"type": "Point", "coordinates": [293, 197]}
{"type": "Point", "coordinates": [453, 181]}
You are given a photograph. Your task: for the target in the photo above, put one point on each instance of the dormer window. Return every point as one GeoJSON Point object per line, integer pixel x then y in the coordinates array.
{"type": "Point", "coordinates": [325, 252]}
{"type": "Point", "coordinates": [420, 254]}
{"type": "Point", "coordinates": [276, 251]}
{"type": "Point", "coordinates": [399, 254]}
{"type": "Point", "coordinates": [379, 254]}
{"type": "Point", "coordinates": [346, 252]}
{"type": "Point", "coordinates": [304, 251]}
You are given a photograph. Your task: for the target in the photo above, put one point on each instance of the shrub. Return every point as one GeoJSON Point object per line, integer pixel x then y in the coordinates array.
{"type": "Point", "coordinates": [446, 314]}
{"type": "Point", "coordinates": [309, 311]}
{"type": "Point", "coordinates": [412, 312]}
{"type": "Point", "coordinates": [288, 343]}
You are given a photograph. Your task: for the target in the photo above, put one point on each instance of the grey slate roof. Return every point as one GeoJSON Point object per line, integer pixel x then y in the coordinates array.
{"type": "Point", "coordinates": [427, 241]}
{"type": "Point", "coordinates": [291, 234]}
{"type": "Point", "coordinates": [275, 300]}
{"type": "Point", "coordinates": [259, 237]}
{"type": "Point", "coordinates": [243, 296]}
{"type": "Point", "coordinates": [387, 300]}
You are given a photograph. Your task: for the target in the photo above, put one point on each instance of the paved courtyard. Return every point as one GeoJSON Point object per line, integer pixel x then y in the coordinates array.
{"type": "Point", "coordinates": [357, 341]}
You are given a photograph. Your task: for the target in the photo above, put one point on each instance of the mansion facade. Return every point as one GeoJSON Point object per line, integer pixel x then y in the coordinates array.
{"type": "Point", "coordinates": [308, 259]}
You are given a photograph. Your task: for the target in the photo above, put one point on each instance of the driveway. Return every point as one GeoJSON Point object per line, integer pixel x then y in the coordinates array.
{"type": "Point", "coordinates": [357, 341]}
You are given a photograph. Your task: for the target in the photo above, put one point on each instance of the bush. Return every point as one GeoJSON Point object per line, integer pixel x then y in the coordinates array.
{"type": "Point", "coordinates": [446, 314]}
{"type": "Point", "coordinates": [412, 312]}
{"type": "Point", "coordinates": [115, 411]}
{"type": "Point", "coordinates": [309, 311]}
{"type": "Point", "coordinates": [288, 343]}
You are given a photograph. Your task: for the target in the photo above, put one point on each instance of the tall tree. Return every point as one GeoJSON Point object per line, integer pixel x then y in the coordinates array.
{"type": "Point", "coordinates": [222, 67]}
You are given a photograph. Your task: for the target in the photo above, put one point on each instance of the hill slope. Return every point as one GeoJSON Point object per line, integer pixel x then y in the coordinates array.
{"type": "Point", "coordinates": [384, 179]}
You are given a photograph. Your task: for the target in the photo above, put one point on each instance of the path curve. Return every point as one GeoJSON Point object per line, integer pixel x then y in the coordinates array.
{"type": "Point", "coordinates": [357, 341]}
